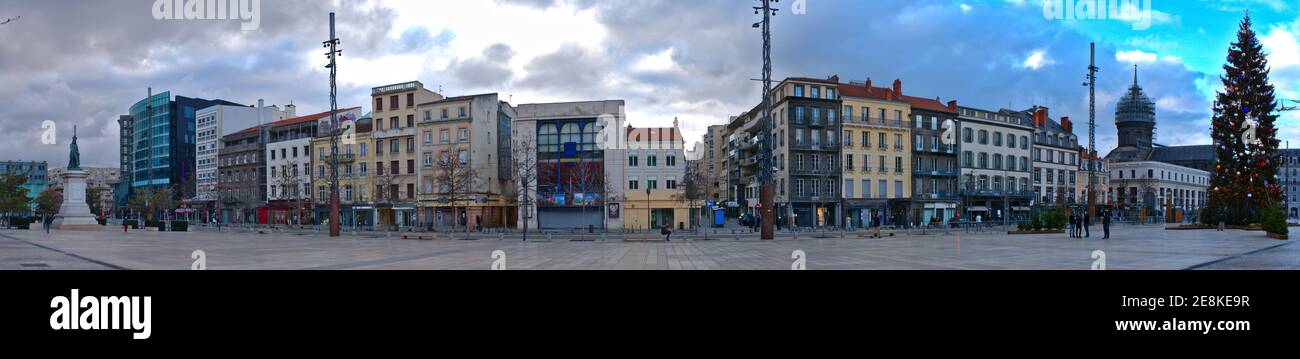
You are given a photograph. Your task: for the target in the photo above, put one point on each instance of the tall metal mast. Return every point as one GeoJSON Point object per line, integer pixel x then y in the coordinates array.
{"type": "Point", "coordinates": [1092, 127]}
{"type": "Point", "coordinates": [766, 192]}
{"type": "Point", "coordinates": [333, 44]}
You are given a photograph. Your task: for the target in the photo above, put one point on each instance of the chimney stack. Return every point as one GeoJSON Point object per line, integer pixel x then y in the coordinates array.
{"type": "Point", "coordinates": [835, 78]}
{"type": "Point", "coordinates": [1065, 123]}
{"type": "Point", "coordinates": [868, 84]}
{"type": "Point", "coordinates": [898, 88]}
{"type": "Point", "coordinates": [952, 105]}
{"type": "Point", "coordinates": [290, 111]}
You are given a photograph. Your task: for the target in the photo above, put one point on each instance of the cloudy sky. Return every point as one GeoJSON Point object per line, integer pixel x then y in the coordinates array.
{"type": "Point", "coordinates": [86, 62]}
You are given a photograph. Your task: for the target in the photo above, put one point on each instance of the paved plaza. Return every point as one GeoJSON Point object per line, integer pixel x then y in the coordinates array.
{"type": "Point", "coordinates": [1131, 247]}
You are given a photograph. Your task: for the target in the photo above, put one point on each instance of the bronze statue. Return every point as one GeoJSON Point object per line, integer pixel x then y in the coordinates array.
{"type": "Point", "coordinates": [74, 156]}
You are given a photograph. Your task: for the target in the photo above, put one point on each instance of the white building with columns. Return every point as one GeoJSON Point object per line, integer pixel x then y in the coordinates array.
{"type": "Point", "coordinates": [1150, 188]}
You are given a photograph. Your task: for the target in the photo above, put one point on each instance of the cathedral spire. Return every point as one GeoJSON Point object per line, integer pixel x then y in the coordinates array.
{"type": "Point", "coordinates": [1135, 74]}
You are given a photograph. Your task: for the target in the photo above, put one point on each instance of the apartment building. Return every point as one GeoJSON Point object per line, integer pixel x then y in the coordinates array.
{"type": "Point", "coordinates": [807, 151]}
{"type": "Point", "coordinates": [876, 142]}
{"type": "Point", "coordinates": [935, 196]}
{"type": "Point", "coordinates": [1093, 169]}
{"type": "Point", "coordinates": [741, 147]}
{"type": "Point", "coordinates": [396, 176]}
{"type": "Point", "coordinates": [1056, 159]}
{"type": "Point", "coordinates": [212, 123]}
{"type": "Point", "coordinates": [355, 209]}
{"type": "Point", "coordinates": [654, 171]}
{"type": "Point", "coordinates": [475, 132]}
{"type": "Point", "coordinates": [995, 165]}
{"type": "Point", "coordinates": [37, 179]}
{"type": "Point", "coordinates": [712, 163]}
{"type": "Point", "coordinates": [291, 166]}
{"type": "Point", "coordinates": [241, 178]}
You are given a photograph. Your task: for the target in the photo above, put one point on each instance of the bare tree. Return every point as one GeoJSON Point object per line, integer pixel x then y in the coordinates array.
{"type": "Point", "coordinates": [523, 167]}
{"type": "Point", "coordinates": [456, 179]}
{"type": "Point", "coordinates": [291, 191]}
{"type": "Point", "coordinates": [384, 181]}
{"type": "Point", "coordinates": [695, 189]}
{"type": "Point", "coordinates": [589, 180]}
{"type": "Point", "coordinates": [608, 195]}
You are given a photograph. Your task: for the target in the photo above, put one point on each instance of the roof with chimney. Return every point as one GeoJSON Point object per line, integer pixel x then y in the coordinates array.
{"type": "Point", "coordinates": [867, 91]}
{"type": "Point", "coordinates": [928, 104]}
{"type": "Point", "coordinates": [294, 121]}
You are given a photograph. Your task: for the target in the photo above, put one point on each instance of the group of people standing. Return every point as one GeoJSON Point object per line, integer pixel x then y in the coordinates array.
{"type": "Point", "coordinates": [1081, 224]}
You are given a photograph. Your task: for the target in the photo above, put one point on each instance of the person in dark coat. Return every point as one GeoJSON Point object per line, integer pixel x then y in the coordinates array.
{"type": "Point", "coordinates": [668, 233]}
{"type": "Point", "coordinates": [1105, 225]}
{"type": "Point", "coordinates": [1074, 225]}
{"type": "Point", "coordinates": [1087, 221]}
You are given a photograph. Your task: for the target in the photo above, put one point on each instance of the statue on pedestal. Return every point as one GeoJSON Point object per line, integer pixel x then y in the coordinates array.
{"type": "Point", "coordinates": [74, 156]}
{"type": "Point", "coordinates": [74, 213]}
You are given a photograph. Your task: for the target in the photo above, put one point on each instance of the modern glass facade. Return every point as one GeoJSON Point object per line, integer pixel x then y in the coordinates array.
{"type": "Point", "coordinates": [163, 135]}
{"type": "Point", "coordinates": [151, 136]}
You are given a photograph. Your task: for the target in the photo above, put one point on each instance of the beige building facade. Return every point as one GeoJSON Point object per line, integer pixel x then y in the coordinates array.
{"type": "Point", "coordinates": [395, 171]}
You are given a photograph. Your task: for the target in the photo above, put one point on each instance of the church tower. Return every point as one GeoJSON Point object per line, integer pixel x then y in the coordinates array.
{"type": "Point", "coordinates": [1135, 118]}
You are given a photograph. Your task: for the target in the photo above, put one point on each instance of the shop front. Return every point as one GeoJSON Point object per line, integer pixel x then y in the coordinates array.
{"type": "Point", "coordinates": [866, 213]}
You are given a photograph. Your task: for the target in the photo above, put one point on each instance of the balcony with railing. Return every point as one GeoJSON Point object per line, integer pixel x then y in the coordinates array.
{"type": "Point", "coordinates": [936, 148]}
{"type": "Point", "coordinates": [942, 172]}
{"type": "Point", "coordinates": [343, 158]}
{"type": "Point", "coordinates": [998, 193]}
{"type": "Point", "coordinates": [936, 195]}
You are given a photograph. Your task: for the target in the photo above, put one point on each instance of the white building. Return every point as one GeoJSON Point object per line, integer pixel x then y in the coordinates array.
{"type": "Point", "coordinates": [566, 136]}
{"type": "Point", "coordinates": [1056, 160]}
{"type": "Point", "coordinates": [217, 121]}
{"type": "Point", "coordinates": [1150, 188]}
{"type": "Point", "coordinates": [995, 165]}
{"type": "Point", "coordinates": [289, 165]}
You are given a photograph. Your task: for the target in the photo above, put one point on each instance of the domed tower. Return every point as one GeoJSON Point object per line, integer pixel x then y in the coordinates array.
{"type": "Point", "coordinates": [1135, 118]}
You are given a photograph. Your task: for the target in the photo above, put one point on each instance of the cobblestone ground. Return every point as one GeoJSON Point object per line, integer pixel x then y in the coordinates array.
{"type": "Point", "coordinates": [1129, 248]}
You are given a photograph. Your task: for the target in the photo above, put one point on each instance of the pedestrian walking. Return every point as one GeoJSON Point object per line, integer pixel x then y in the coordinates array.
{"type": "Point", "coordinates": [478, 222]}
{"type": "Point", "coordinates": [668, 233]}
{"type": "Point", "coordinates": [45, 221]}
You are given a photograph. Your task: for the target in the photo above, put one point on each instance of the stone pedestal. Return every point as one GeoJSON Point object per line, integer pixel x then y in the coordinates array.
{"type": "Point", "coordinates": [74, 214]}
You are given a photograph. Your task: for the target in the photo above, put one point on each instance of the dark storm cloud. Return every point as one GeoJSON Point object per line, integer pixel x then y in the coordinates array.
{"type": "Point", "coordinates": [571, 69]}
{"type": "Point", "coordinates": [85, 63]}
{"type": "Point", "coordinates": [937, 50]}
{"type": "Point", "coordinates": [486, 73]}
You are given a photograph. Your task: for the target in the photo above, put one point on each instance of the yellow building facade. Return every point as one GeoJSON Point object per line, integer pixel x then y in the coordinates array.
{"type": "Point", "coordinates": [355, 171]}
{"type": "Point", "coordinates": [654, 171]}
{"type": "Point", "coordinates": [876, 152]}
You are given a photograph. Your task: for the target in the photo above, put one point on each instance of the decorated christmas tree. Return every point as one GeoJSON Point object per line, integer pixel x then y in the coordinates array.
{"type": "Point", "coordinates": [1245, 180]}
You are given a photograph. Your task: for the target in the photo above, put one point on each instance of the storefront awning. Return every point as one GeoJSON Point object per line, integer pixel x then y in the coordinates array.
{"type": "Point", "coordinates": [1020, 209]}
{"type": "Point", "coordinates": [978, 209]}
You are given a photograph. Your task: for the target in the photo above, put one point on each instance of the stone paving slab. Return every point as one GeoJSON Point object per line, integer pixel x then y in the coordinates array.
{"type": "Point", "coordinates": [1129, 248]}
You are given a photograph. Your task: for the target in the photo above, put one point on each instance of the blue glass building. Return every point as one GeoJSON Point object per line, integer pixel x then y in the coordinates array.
{"type": "Point", "coordinates": [163, 142]}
